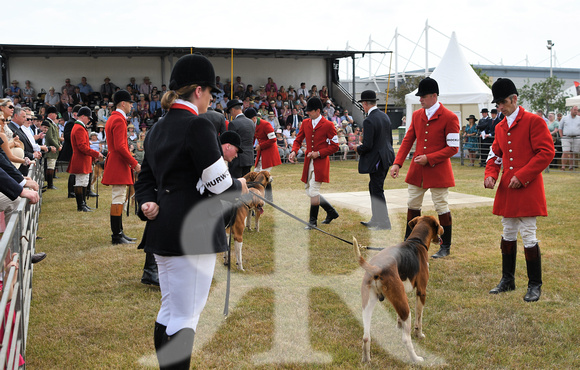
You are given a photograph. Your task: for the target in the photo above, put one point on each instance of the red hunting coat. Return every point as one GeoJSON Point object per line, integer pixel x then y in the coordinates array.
{"type": "Point", "coordinates": [525, 149]}
{"type": "Point", "coordinates": [119, 160]}
{"type": "Point", "coordinates": [268, 149]}
{"type": "Point", "coordinates": [82, 154]}
{"type": "Point", "coordinates": [321, 139]}
{"type": "Point", "coordinates": [438, 138]}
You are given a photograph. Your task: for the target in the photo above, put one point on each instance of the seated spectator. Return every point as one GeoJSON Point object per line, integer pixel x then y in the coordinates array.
{"type": "Point", "coordinates": [336, 119]}
{"type": "Point", "coordinates": [345, 116]}
{"type": "Point", "coordinates": [272, 108]}
{"type": "Point", "coordinates": [342, 144]}
{"type": "Point", "coordinates": [143, 108]}
{"type": "Point", "coordinates": [70, 89]}
{"type": "Point", "coordinates": [28, 93]}
{"type": "Point", "coordinates": [95, 143]}
{"type": "Point", "coordinates": [139, 149]}
{"type": "Point", "coordinates": [250, 93]}
{"type": "Point", "coordinates": [287, 131]}
{"type": "Point", "coordinates": [291, 93]}
{"type": "Point", "coordinates": [262, 93]}
{"type": "Point", "coordinates": [239, 86]}
{"type": "Point", "coordinates": [279, 104]}
{"type": "Point", "coordinates": [263, 110]}
{"type": "Point", "coordinates": [286, 111]}
{"type": "Point", "coordinates": [346, 127]}
{"type": "Point", "coordinates": [282, 92]}
{"type": "Point", "coordinates": [324, 94]}
{"type": "Point", "coordinates": [354, 139]}
{"type": "Point", "coordinates": [328, 110]}
{"type": "Point", "coordinates": [101, 132]}
{"type": "Point", "coordinates": [78, 97]}
{"type": "Point", "coordinates": [290, 140]}
{"type": "Point", "coordinates": [240, 92]}
{"type": "Point", "coordinates": [273, 120]}
{"type": "Point", "coordinates": [271, 84]}
{"type": "Point", "coordinates": [301, 100]}
{"type": "Point", "coordinates": [85, 87]}
{"type": "Point", "coordinates": [246, 103]}
{"type": "Point", "coordinates": [303, 91]}
{"type": "Point", "coordinates": [313, 92]}
{"type": "Point", "coordinates": [272, 94]}
{"type": "Point", "coordinates": [14, 89]}
{"type": "Point", "coordinates": [132, 137]}
{"type": "Point", "coordinates": [155, 110]}
{"type": "Point", "coordinates": [282, 144]}
{"type": "Point", "coordinates": [52, 98]}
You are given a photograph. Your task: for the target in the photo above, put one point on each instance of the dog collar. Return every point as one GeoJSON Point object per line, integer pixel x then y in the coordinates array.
{"type": "Point", "coordinates": [417, 240]}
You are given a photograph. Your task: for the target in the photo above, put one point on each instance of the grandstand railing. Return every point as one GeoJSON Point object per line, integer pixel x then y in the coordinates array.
{"type": "Point", "coordinates": [20, 238]}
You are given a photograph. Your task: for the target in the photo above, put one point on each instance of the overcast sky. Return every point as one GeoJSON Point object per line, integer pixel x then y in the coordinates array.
{"type": "Point", "coordinates": [501, 32]}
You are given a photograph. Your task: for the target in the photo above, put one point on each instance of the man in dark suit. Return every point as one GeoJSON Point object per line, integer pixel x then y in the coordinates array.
{"type": "Point", "coordinates": [245, 128]}
{"type": "Point", "coordinates": [294, 119]}
{"type": "Point", "coordinates": [486, 127]}
{"type": "Point", "coordinates": [18, 119]}
{"type": "Point", "coordinates": [79, 97]}
{"type": "Point", "coordinates": [376, 156]}
{"type": "Point", "coordinates": [218, 120]}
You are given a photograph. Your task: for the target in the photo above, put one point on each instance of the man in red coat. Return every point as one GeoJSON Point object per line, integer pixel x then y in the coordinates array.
{"type": "Point", "coordinates": [321, 142]}
{"type": "Point", "coordinates": [523, 145]}
{"type": "Point", "coordinates": [120, 164]}
{"type": "Point", "coordinates": [80, 165]}
{"type": "Point", "coordinates": [267, 152]}
{"type": "Point", "coordinates": [436, 131]}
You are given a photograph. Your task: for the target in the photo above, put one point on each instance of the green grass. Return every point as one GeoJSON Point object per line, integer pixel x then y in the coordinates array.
{"type": "Point", "coordinates": [89, 310]}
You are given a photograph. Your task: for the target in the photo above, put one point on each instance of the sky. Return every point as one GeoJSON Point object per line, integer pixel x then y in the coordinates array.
{"type": "Point", "coordinates": [494, 32]}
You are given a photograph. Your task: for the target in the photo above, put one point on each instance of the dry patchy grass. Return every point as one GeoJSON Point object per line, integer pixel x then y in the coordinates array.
{"type": "Point", "coordinates": [89, 309]}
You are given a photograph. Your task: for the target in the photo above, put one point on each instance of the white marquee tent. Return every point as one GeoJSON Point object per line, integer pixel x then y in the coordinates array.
{"type": "Point", "coordinates": [460, 88]}
{"type": "Point", "coordinates": [573, 101]}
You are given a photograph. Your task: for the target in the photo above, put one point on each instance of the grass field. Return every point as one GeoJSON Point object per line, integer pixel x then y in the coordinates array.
{"type": "Point", "coordinates": [297, 305]}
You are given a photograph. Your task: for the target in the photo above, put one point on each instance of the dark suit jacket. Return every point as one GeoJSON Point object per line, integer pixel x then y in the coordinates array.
{"type": "Point", "coordinates": [9, 186]}
{"type": "Point", "coordinates": [218, 120]}
{"type": "Point", "coordinates": [66, 151]}
{"type": "Point", "coordinates": [79, 100]}
{"type": "Point", "coordinates": [377, 145]}
{"type": "Point", "coordinates": [28, 150]}
{"type": "Point", "coordinates": [245, 128]}
{"type": "Point", "coordinates": [290, 120]}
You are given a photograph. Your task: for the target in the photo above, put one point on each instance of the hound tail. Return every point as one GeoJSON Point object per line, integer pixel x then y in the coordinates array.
{"type": "Point", "coordinates": [371, 269]}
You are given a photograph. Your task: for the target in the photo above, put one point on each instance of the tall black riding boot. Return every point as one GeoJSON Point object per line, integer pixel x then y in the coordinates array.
{"type": "Point", "coordinates": [79, 195]}
{"type": "Point", "coordinates": [534, 265]}
{"type": "Point", "coordinates": [411, 214]}
{"type": "Point", "coordinates": [71, 185]}
{"type": "Point", "coordinates": [313, 221]}
{"type": "Point", "coordinates": [49, 177]}
{"type": "Point", "coordinates": [509, 251]}
{"type": "Point", "coordinates": [445, 221]}
{"type": "Point", "coordinates": [175, 353]}
{"type": "Point", "coordinates": [128, 238]}
{"type": "Point", "coordinates": [331, 213]}
{"type": "Point", "coordinates": [150, 274]}
{"type": "Point", "coordinates": [159, 336]}
{"type": "Point", "coordinates": [85, 198]}
{"type": "Point", "coordinates": [90, 192]}
{"type": "Point", "coordinates": [117, 225]}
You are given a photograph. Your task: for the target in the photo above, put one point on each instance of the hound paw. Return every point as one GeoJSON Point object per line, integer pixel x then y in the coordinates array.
{"type": "Point", "coordinates": [419, 359]}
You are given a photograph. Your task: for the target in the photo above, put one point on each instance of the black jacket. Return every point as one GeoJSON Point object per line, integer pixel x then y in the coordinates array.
{"type": "Point", "coordinates": [377, 145]}
{"type": "Point", "coordinates": [182, 154]}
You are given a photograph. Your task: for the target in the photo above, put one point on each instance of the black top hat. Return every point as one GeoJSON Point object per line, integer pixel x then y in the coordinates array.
{"type": "Point", "coordinates": [484, 110]}
{"type": "Point", "coordinates": [250, 113]}
{"type": "Point", "coordinates": [232, 103]}
{"type": "Point", "coordinates": [313, 103]}
{"type": "Point", "coordinates": [494, 111]}
{"type": "Point", "coordinates": [84, 111]}
{"type": "Point", "coordinates": [472, 116]}
{"type": "Point", "coordinates": [368, 95]}
{"type": "Point", "coordinates": [232, 137]}
{"type": "Point", "coordinates": [193, 69]}
{"type": "Point", "coordinates": [51, 109]}
{"type": "Point", "coordinates": [121, 96]}
{"type": "Point", "coordinates": [428, 86]}
{"type": "Point", "coordinates": [502, 88]}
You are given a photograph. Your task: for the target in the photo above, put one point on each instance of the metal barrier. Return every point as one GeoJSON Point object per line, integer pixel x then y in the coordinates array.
{"type": "Point", "coordinates": [19, 238]}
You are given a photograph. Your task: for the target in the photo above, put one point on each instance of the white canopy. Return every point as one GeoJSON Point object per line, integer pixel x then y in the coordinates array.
{"type": "Point", "coordinates": [573, 101]}
{"type": "Point", "coordinates": [458, 82]}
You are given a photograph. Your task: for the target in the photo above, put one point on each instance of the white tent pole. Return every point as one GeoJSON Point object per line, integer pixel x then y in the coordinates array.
{"type": "Point", "coordinates": [396, 58]}
{"type": "Point", "coordinates": [426, 46]}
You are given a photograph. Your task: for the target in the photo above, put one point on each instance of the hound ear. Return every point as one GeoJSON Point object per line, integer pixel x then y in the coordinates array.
{"type": "Point", "coordinates": [413, 222]}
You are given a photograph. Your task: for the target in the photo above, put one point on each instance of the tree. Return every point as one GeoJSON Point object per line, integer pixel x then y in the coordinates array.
{"type": "Point", "coordinates": [547, 95]}
{"type": "Point", "coordinates": [484, 77]}
{"type": "Point", "coordinates": [410, 84]}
